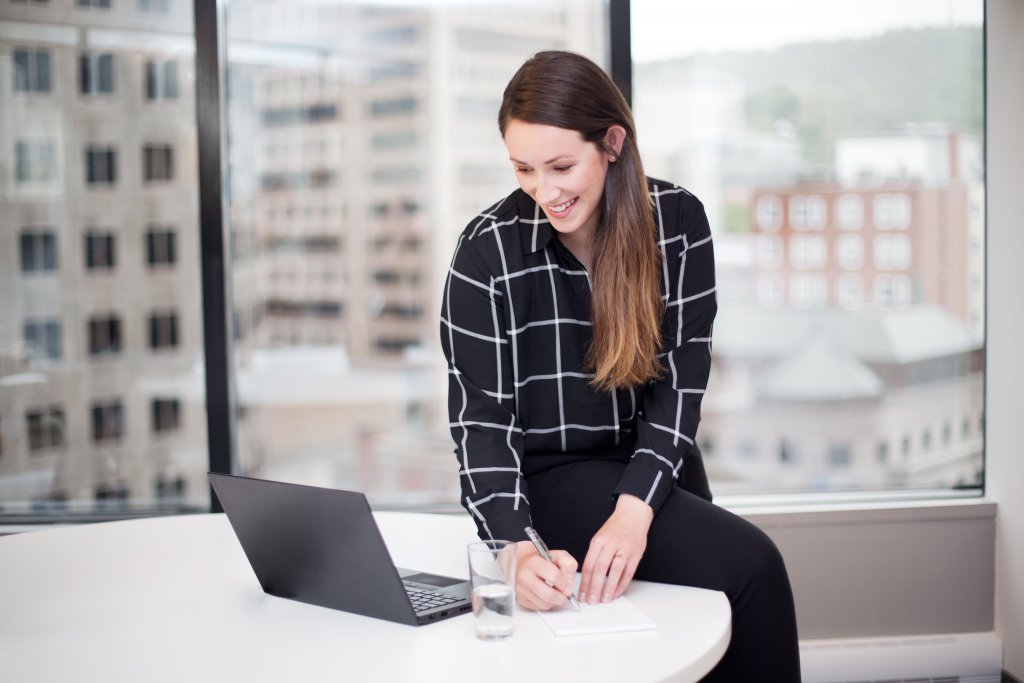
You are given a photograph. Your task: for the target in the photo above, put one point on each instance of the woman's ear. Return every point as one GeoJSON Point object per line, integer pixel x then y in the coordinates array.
{"type": "Point", "coordinates": [613, 140]}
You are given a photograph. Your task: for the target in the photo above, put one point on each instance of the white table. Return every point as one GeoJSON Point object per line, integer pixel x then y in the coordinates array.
{"type": "Point", "coordinates": [174, 599]}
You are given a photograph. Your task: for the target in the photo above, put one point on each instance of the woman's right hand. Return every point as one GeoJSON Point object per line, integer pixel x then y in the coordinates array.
{"type": "Point", "coordinates": [541, 585]}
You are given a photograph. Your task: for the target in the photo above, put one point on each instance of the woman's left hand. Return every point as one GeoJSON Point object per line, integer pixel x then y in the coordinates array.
{"type": "Point", "coordinates": [615, 551]}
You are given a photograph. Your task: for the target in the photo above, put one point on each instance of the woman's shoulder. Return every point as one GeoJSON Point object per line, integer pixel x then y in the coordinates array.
{"type": "Point", "coordinates": [672, 201]}
{"type": "Point", "coordinates": [494, 237]}
{"type": "Point", "coordinates": [667, 192]}
{"type": "Point", "coordinates": [504, 212]}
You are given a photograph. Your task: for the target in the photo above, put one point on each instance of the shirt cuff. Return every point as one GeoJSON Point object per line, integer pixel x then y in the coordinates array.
{"type": "Point", "coordinates": [508, 526]}
{"type": "Point", "coordinates": [647, 482]}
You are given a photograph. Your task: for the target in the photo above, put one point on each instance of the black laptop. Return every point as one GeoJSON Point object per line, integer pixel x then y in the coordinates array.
{"type": "Point", "coordinates": [322, 546]}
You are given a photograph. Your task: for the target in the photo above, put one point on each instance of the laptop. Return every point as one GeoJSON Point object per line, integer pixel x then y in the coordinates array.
{"type": "Point", "coordinates": [322, 547]}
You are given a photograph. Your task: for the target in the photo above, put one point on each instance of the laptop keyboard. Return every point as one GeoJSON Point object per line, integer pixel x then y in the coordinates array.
{"type": "Point", "coordinates": [426, 600]}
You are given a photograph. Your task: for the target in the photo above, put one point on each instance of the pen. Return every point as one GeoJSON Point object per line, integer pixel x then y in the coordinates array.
{"type": "Point", "coordinates": [542, 548]}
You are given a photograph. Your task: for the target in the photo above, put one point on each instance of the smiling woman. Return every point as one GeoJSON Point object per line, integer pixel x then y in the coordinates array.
{"type": "Point", "coordinates": [576, 377]}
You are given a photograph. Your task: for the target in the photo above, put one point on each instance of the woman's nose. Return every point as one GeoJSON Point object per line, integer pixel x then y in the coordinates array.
{"type": "Point", "coordinates": [547, 190]}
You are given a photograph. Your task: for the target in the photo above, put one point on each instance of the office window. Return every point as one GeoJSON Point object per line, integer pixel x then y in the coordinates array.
{"type": "Point", "coordinates": [100, 250]}
{"type": "Point", "coordinates": [96, 73]}
{"type": "Point", "coordinates": [34, 161]}
{"type": "Point", "coordinates": [38, 249]}
{"type": "Point", "coordinates": [157, 163]}
{"type": "Point", "coordinates": [43, 339]}
{"type": "Point", "coordinates": [161, 249]}
{"type": "Point", "coordinates": [831, 131]}
{"type": "Point", "coordinates": [165, 415]}
{"type": "Point", "coordinates": [100, 165]}
{"type": "Point", "coordinates": [107, 420]}
{"type": "Point", "coordinates": [45, 427]}
{"type": "Point", "coordinates": [105, 335]}
{"type": "Point", "coordinates": [163, 331]}
{"type": "Point", "coordinates": [100, 4]}
{"type": "Point", "coordinates": [161, 79]}
{"type": "Point", "coordinates": [32, 71]}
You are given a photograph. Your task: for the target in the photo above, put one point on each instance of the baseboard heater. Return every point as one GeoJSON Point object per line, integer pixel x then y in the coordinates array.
{"type": "Point", "coordinates": [940, 658]}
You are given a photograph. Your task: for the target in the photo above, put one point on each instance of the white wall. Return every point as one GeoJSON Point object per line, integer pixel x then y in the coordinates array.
{"type": "Point", "coordinates": [1005, 459]}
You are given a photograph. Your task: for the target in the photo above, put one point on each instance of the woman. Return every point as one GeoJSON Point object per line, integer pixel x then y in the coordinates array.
{"type": "Point", "coordinates": [576, 322]}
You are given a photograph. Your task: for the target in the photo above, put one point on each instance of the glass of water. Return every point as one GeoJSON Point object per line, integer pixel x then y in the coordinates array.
{"type": "Point", "coordinates": [492, 572]}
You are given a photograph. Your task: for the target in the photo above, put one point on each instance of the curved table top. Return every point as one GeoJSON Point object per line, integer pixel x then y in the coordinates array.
{"type": "Point", "coordinates": [173, 598]}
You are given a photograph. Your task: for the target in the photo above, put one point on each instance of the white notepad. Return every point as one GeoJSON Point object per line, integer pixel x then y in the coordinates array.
{"type": "Point", "coordinates": [612, 617]}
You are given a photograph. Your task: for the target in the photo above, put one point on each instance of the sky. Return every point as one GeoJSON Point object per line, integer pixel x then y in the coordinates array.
{"type": "Point", "coordinates": [677, 28]}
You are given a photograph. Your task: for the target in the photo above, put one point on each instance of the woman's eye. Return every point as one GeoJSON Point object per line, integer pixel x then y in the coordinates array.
{"type": "Point", "coordinates": [523, 171]}
{"type": "Point", "coordinates": [563, 169]}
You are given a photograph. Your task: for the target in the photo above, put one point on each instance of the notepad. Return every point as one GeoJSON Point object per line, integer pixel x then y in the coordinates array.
{"type": "Point", "coordinates": [611, 617]}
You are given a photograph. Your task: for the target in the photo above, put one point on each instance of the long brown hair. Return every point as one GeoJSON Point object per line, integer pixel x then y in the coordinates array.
{"type": "Point", "coordinates": [567, 90]}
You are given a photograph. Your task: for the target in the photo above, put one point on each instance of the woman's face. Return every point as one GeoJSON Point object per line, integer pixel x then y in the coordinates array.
{"type": "Point", "coordinates": [562, 172]}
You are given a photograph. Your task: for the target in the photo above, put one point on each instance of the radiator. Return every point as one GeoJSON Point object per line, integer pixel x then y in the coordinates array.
{"type": "Point", "coordinates": [941, 658]}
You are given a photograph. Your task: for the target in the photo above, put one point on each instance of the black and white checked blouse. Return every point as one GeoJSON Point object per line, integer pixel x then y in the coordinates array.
{"type": "Point", "coordinates": [515, 326]}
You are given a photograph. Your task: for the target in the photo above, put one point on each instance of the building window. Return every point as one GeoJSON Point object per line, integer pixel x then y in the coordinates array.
{"type": "Point", "coordinates": [107, 420]}
{"type": "Point", "coordinates": [787, 452]}
{"type": "Point", "coordinates": [393, 107]}
{"type": "Point", "coordinates": [155, 6]}
{"type": "Point", "coordinates": [892, 252]}
{"type": "Point", "coordinates": [161, 247]}
{"type": "Point", "coordinates": [769, 251]}
{"type": "Point", "coordinates": [892, 291]}
{"type": "Point", "coordinates": [808, 212]}
{"type": "Point", "coordinates": [163, 331]}
{"type": "Point", "coordinates": [850, 291]}
{"type": "Point", "coordinates": [161, 79]}
{"type": "Point", "coordinates": [101, 4]}
{"type": "Point", "coordinates": [165, 415]}
{"type": "Point", "coordinates": [45, 427]}
{"type": "Point", "coordinates": [808, 252]}
{"type": "Point", "coordinates": [35, 161]}
{"type": "Point", "coordinates": [100, 250]}
{"type": "Point", "coordinates": [770, 292]}
{"type": "Point", "coordinates": [38, 247]}
{"type": "Point", "coordinates": [808, 290]}
{"type": "Point", "coordinates": [850, 212]}
{"type": "Point", "coordinates": [769, 213]}
{"type": "Point", "coordinates": [100, 165]}
{"type": "Point", "coordinates": [96, 73]}
{"type": "Point", "coordinates": [43, 339]}
{"type": "Point", "coordinates": [105, 335]}
{"type": "Point", "coordinates": [882, 453]}
{"type": "Point", "coordinates": [32, 70]}
{"type": "Point", "coordinates": [157, 163]}
{"type": "Point", "coordinates": [839, 455]}
{"type": "Point", "coordinates": [850, 252]}
{"type": "Point", "coordinates": [892, 211]}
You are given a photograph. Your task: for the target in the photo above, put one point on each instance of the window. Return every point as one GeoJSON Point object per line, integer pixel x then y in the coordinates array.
{"type": "Point", "coordinates": [161, 79]}
{"type": "Point", "coordinates": [850, 212]}
{"type": "Point", "coordinates": [42, 339]}
{"type": "Point", "coordinates": [105, 335]}
{"type": "Point", "coordinates": [102, 4]}
{"type": "Point", "coordinates": [107, 420]}
{"type": "Point", "coordinates": [38, 247]}
{"type": "Point", "coordinates": [807, 212]}
{"type": "Point", "coordinates": [863, 177]}
{"type": "Point", "coordinates": [165, 415]}
{"type": "Point", "coordinates": [163, 331]}
{"type": "Point", "coordinates": [769, 213]}
{"type": "Point", "coordinates": [45, 427]}
{"type": "Point", "coordinates": [892, 211]}
{"type": "Point", "coordinates": [160, 246]}
{"type": "Point", "coordinates": [155, 6]}
{"type": "Point", "coordinates": [32, 71]}
{"type": "Point", "coordinates": [96, 73]}
{"type": "Point", "coordinates": [100, 250]}
{"type": "Point", "coordinates": [100, 165]}
{"type": "Point", "coordinates": [158, 163]}
{"type": "Point", "coordinates": [34, 161]}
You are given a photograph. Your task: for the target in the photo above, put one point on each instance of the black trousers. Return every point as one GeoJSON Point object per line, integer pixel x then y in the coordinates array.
{"type": "Point", "coordinates": [691, 542]}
